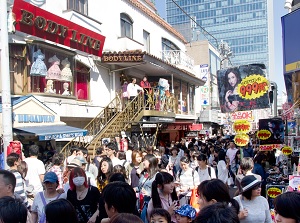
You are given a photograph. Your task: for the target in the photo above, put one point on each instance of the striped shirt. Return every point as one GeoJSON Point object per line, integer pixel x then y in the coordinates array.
{"type": "Point", "coordinates": [20, 187]}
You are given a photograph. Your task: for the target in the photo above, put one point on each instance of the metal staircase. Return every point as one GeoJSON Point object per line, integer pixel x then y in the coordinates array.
{"type": "Point", "coordinates": [108, 123]}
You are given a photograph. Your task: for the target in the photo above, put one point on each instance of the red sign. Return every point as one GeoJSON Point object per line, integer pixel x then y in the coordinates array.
{"type": "Point", "coordinates": [41, 23]}
{"type": "Point", "coordinates": [195, 127]}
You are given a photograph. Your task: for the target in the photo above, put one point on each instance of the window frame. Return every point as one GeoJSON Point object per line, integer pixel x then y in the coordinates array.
{"type": "Point", "coordinates": [126, 23]}
{"type": "Point", "coordinates": [75, 5]}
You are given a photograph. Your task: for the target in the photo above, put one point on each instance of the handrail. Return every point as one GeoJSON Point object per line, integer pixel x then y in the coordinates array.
{"type": "Point", "coordinates": [95, 126]}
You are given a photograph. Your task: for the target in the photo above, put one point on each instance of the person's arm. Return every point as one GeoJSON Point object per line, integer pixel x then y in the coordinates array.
{"type": "Point", "coordinates": [34, 217]}
{"type": "Point", "coordinates": [94, 217]}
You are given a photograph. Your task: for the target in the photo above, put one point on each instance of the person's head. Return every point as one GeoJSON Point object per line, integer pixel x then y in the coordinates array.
{"type": "Point", "coordinates": [212, 191]}
{"type": "Point", "coordinates": [185, 214]}
{"type": "Point", "coordinates": [119, 169]}
{"type": "Point", "coordinates": [286, 207]}
{"type": "Point", "coordinates": [219, 212]}
{"type": "Point", "coordinates": [50, 181]}
{"type": "Point", "coordinates": [77, 178]}
{"type": "Point", "coordinates": [160, 215]}
{"type": "Point", "coordinates": [23, 168]}
{"type": "Point", "coordinates": [222, 155]}
{"type": "Point", "coordinates": [73, 150]}
{"type": "Point", "coordinates": [174, 151]}
{"type": "Point", "coordinates": [232, 78]}
{"type": "Point", "coordinates": [117, 177]}
{"type": "Point", "coordinates": [125, 218]}
{"type": "Point", "coordinates": [82, 152]}
{"type": "Point", "coordinates": [111, 149]}
{"type": "Point", "coordinates": [144, 78]}
{"type": "Point", "coordinates": [151, 164]}
{"type": "Point", "coordinates": [12, 210]}
{"type": "Point", "coordinates": [122, 155]}
{"type": "Point", "coordinates": [163, 184]}
{"type": "Point", "coordinates": [13, 160]}
{"type": "Point", "coordinates": [184, 163]}
{"type": "Point", "coordinates": [119, 197]}
{"type": "Point", "coordinates": [133, 80]}
{"type": "Point", "coordinates": [136, 157]}
{"type": "Point", "coordinates": [58, 159]}
{"type": "Point", "coordinates": [7, 183]}
{"type": "Point", "coordinates": [202, 160]}
{"type": "Point", "coordinates": [105, 168]}
{"type": "Point", "coordinates": [33, 150]}
{"type": "Point", "coordinates": [60, 210]}
{"type": "Point", "coordinates": [251, 187]}
{"type": "Point", "coordinates": [246, 164]}
{"type": "Point", "coordinates": [231, 145]}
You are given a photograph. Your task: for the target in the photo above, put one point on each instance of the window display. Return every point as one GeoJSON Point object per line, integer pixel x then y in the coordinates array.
{"type": "Point", "coordinates": [38, 67]}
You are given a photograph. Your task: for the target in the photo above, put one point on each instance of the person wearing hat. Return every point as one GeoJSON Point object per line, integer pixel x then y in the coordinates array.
{"type": "Point", "coordinates": [185, 214]}
{"type": "Point", "coordinates": [253, 206]}
{"type": "Point", "coordinates": [49, 194]}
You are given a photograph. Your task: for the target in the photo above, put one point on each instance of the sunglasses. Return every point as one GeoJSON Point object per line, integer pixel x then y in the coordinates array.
{"type": "Point", "coordinates": [258, 186]}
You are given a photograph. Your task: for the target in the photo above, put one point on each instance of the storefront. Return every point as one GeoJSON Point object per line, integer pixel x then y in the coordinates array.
{"type": "Point", "coordinates": [33, 122]}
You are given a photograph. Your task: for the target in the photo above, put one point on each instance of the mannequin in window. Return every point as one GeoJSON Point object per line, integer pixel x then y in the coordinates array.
{"type": "Point", "coordinates": [54, 71]}
{"type": "Point", "coordinates": [66, 73]}
{"type": "Point", "coordinates": [38, 67]}
{"type": "Point", "coordinates": [66, 89]}
{"type": "Point", "coordinates": [49, 88]}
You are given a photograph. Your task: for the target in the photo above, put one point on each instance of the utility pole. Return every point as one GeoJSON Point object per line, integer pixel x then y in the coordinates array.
{"type": "Point", "coordinates": [5, 80]}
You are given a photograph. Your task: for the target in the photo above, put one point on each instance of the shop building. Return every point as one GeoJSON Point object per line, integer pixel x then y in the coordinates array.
{"type": "Point", "coordinates": [74, 59]}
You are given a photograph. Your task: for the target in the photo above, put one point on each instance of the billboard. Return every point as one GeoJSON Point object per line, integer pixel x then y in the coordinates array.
{"type": "Point", "coordinates": [242, 88]}
{"type": "Point", "coordinates": [271, 131]}
{"type": "Point", "coordinates": [290, 32]}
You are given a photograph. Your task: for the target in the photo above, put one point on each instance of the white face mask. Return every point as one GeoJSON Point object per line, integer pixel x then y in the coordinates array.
{"type": "Point", "coordinates": [78, 181]}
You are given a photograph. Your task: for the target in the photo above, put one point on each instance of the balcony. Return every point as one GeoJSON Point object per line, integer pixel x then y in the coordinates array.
{"type": "Point", "coordinates": [178, 58]}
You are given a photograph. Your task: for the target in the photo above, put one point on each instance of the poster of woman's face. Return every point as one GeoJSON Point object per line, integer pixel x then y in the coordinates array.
{"type": "Point", "coordinates": [228, 85]}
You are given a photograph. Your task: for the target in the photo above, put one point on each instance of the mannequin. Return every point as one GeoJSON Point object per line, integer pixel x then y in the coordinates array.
{"type": "Point", "coordinates": [54, 71]}
{"type": "Point", "coordinates": [66, 73]}
{"type": "Point", "coordinates": [66, 89]}
{"type": "Point", "coordinates": [38, 67]}
{"type": "Point", "coordinates": [49, 88]}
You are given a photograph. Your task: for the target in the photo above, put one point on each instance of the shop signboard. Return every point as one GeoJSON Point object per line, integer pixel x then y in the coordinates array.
{"type": "Point", "coordinates": [242, 88]}
{"type": "Point", "coordinates": [241, 126]}
{"type": "Point", "coordinates": [241, 139]}
{"type": "Point", "coordinates": [272, 192]}
{"type": "Point", "coordinates": [43, 24]}
{"type": "Point", "coordinates": [242, 115]}
{"type": "Point", "coordinates": [271, 131]}
{"type": "Point", "coordinates": [191, 134]}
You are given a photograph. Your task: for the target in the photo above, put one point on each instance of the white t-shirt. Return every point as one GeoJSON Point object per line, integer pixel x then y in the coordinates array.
{"type": "Point", "coordinates": [35, 169]}
{"type": "Point", "coordinates": [231, 154]}
{"type": "Point", "coordinates": [222, 171]}
{"type": "Point", "coordinates": [132, 89]}
{"type": "Point", "coordinates": [38, 205]}
{"type": "Point", "coordinates": [115, 161]}
{"type": "Point", "coordinates": [204, 174]}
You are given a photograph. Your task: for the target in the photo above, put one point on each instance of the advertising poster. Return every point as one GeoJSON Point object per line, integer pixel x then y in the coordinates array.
{"type": "Point", "coordinates": [242, 88]}
{"type": "Point", "coordinates": [271, 131]}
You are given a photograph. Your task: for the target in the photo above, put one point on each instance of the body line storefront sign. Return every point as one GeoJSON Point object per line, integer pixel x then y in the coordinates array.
{"type": "Point", "coordinates": [41, 23]}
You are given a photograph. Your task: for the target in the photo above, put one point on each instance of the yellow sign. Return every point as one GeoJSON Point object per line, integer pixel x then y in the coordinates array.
{"type": "Point", "coordinates": [292, 66]}
{"type": "Point", "coordinates": [287, 150]}
{"type": "Point", "coordinates": [241, 139]}
{"type": "Point", "coordinates": [241, 126]}
{"type": "Point", "coordinates": [273, 192]}
{"type": "Point", "coordinates": [263, 134]}
{"type": "Point", "coordinates": [253, 86]}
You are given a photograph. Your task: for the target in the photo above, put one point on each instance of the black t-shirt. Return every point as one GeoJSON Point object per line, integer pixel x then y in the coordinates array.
{"type": "Point", "coordinates": [88, 205]}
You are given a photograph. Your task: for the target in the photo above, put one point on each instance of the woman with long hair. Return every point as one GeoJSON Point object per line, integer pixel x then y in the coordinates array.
{"type": "Point", "coordinates": [213, 191]}
{"type": "Point", "coordinates": [84, 198]}
{"type": "Point", "coordinates": [232, 79]}
{"type": "Point", "coordinates": [222, 166]}
{"type": "Point", "coordinates": [104, 172]}
{"type": "Point", "coordinates": [134, 169]}
{"type": "Point", "coordinates": [163, 194]}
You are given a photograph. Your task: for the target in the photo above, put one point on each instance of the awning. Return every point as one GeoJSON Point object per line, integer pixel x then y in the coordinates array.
{"type": "Point", "coordinates": [52, 132]}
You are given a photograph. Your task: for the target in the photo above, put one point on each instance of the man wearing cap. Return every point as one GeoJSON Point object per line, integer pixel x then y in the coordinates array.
{"type": "Point", "coordinates": [42, 198]}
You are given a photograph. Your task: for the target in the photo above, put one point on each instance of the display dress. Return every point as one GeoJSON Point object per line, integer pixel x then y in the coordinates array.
{"type": "Point", "coordinates": [54, 72]}
{"type": "Point", "coordinates": [66, 73]}
{"type": "Point", "coordinates": [38, 67]}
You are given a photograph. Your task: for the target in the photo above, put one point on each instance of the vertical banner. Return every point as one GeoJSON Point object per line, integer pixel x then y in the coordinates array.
{"type": "Point", "coordinates": [242, 88]}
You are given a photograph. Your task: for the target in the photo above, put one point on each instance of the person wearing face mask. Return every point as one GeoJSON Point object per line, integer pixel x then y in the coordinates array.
{"type": "Point", "coordinates": [84, 198]}
{"type": "Point", "coordinates": [41, 199]}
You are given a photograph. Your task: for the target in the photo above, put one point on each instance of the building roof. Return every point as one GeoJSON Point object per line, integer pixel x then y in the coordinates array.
{"type": "Point", "coordinates": [157, 19]}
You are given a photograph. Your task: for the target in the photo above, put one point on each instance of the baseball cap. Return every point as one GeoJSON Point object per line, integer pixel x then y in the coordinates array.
{"type": "Point", "coordinates": [50, 177]}
{"type": "Point", "coordinates": [75, 163]}
{"type": "Point", "coordinates": [187, 211]}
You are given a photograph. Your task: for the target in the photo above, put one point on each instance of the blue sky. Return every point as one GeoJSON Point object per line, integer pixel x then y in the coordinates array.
{"type": "Point", "coordinates": [279, 11]}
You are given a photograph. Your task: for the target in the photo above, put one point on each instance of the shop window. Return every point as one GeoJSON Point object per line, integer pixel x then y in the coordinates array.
{"type": "Point", "coordinates": [80, 6]}
{"type": "Point", "coordinates": [82, 73]}
{"type": "Point", "coordinates": [126, 26]}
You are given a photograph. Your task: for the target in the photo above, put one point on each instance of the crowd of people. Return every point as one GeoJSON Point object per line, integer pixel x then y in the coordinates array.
{"type": "Point", "coordinates": [144, 185]}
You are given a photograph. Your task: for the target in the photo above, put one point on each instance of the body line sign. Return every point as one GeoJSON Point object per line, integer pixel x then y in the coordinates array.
{"type": "Point", "coordinates": [41, 23]}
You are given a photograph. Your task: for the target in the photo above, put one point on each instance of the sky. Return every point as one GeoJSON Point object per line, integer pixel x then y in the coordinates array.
{"type": "Point", "coordinates": [279, 11]}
